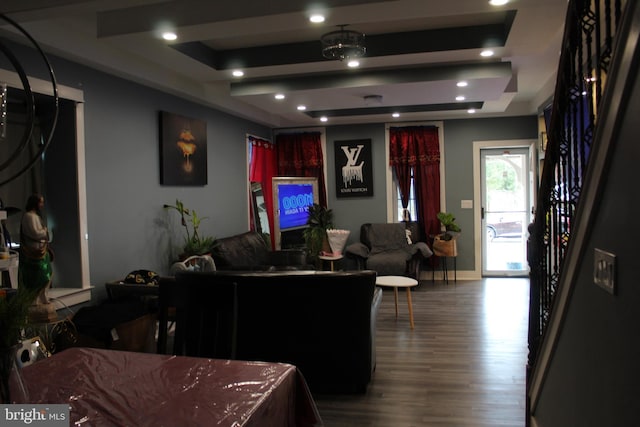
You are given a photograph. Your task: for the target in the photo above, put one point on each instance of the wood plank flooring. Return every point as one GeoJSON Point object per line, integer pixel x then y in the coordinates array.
{"type": "Point", "coordinates": [463, 364]}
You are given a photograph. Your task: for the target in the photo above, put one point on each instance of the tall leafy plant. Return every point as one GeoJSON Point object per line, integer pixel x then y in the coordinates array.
{"type": "Point", "coordinates": [448, 221]}
{"type": "Point", "coordinates": [319, 221]}
{"type": "Point", "coordinates": [194, 244]}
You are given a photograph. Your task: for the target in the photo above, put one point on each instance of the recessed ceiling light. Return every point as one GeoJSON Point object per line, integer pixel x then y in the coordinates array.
{"type": "Point", "coordinates": [324, 119]}
{"type": "Point", "coordinates": [462, 84]}
{"type": "Point", "coordinates": [169, 36]}
{"type": "Point", "coordinates": [471, 111]}
{"type": "Point", "coordinates": [396, 115]}
{"type": "Point", "coordinates": [353, 63]}
{"type": "Point", "coordinates": [302, 107]}
{"type": "Point", "coordinates": [238, 73]}
{"type": "Point", "coordinates": [498, 2]}
{"type": "Point", "coordinates": [486, 53]}
{"type": "Point", "coordinates": [279, 96]}
{"type": "Point", "coordinates": [316, 18]}
{"type": "Point", "coordinates": [460, 98]}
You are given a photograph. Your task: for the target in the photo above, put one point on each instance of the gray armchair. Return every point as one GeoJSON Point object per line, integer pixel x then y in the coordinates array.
{"type": "Point", "coordinates": [385, 248]}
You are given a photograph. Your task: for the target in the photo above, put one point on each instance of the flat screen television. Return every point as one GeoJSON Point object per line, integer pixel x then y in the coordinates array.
{"type": "Point", "coordinates": [292, 197]}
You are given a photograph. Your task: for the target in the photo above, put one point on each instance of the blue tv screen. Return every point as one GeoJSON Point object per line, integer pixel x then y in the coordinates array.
{"type": "Point", "coordinates": [294, 201]}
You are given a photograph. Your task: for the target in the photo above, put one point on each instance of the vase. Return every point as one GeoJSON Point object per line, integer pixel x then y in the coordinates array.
{"type": "Point", "coordinates": [337, 240]}
{"type": "Point", "coordinates": [12, 386]}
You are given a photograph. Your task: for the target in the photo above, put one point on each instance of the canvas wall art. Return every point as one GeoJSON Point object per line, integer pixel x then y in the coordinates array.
{"type": "Point", "coordinates": [354, 174]}
{"type": "Point", "coordinates": [183, 150]}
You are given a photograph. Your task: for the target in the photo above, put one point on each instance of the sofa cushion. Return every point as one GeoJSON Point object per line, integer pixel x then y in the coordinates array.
{"type": "Point", "coordinates": [386, 237]}
{"type": "Point", "coordinates": [249, 252]}
{"type": "Point", "coordinates": [247, 249]}
{"type": "Point", "coordinates": [389, 263]}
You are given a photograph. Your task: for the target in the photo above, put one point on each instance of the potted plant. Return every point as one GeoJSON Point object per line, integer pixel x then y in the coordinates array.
{"type": "Point", "coordinates": [14, 308]}
{"type": "Point", "coordinates": [451, 229]}
{"type": "Point", "coordinates": [194, 244]}
{"type": "Point", "coordinates": [444, 244]}
{"type": "Point", "coordinates": [315, 235]}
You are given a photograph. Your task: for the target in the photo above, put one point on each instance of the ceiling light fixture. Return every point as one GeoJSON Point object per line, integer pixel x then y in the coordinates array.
{"type": "Point", "coordinates": [169, 36]}
{"type": "Point", "coordinates": [343, 44]}
{"type": "Point", "coordinates": [460, 98]}
{"type": "Point", "coordinates": [353, 63]}
{"type": "Point", "coordinates": [316, 18]}
{"type": "Point", "coordinates": [395, 115]}
{"type": "Point", "coordinates": [462, 84]}
{"type": "Point", "coordinates": [498, 2]}
{"type": "Point", "coordinates": [238, 73]}
{"type": "Point", "coordinates": [471, 111]}
{"type": "Point", "coordinates": [323, 119]}
{"type": "Point", "coordinates": [302, 107]}
{"type": "Point", "coordinates": [486, 53]}
{"type": "Point", "coordinates": [279, 96]}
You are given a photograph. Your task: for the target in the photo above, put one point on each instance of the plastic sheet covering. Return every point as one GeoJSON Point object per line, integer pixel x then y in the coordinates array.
{"type": "Point", "coordinates": [116, 388]}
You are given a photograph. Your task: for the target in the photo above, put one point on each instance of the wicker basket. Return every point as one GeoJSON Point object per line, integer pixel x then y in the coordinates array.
{"type": "Point", "coordinates": [443, 247]}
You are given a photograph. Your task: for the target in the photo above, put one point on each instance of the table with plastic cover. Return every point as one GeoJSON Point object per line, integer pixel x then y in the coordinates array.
{"type": "Point", "coordinates": [109, 388]}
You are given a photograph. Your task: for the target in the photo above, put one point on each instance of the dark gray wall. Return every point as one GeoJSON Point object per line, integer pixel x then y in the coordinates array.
{"type": "Point", "coordinates": [594, 373]}
{"type": "Point", "coordinates": [459, 136]}
{"type": "Point", "coordinates": [128, 226]}
{"type": "Point", "coordinates": [351, 212]}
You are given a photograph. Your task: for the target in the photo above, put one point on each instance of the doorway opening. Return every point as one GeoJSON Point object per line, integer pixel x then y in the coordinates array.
{"type": "Point", "coordinates": [505, 198]}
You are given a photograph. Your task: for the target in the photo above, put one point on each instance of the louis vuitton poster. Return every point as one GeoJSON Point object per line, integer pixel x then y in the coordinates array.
{"type": "Point", "coordinates": [354, 174]}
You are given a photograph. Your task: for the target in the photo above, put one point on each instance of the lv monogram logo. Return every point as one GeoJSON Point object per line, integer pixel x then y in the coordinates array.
{"type": "Point", "coordinates": [352, 154]}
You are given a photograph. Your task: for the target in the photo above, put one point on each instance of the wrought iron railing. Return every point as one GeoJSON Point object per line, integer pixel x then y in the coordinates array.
{"type": "Point", "coordinates": [590, 28]}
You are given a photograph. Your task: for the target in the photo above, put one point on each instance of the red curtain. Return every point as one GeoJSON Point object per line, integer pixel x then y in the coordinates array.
{"type": "Point", "coordinates": [262, 167]}
{"type": "Point", "coordinates": [418, 148]}
{"type": "Point", "coordinates": [300, 154]}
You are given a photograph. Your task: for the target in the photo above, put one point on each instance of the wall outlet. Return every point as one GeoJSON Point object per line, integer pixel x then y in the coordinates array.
{"type": "Point", "coordinates": [604, 270]}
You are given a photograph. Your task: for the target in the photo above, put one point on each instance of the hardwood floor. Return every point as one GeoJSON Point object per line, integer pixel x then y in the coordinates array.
{"type": "Point", "coordinates": [462, 365]}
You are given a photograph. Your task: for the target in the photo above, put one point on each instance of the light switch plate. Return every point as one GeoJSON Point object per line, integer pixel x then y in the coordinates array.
{"type": "Point", "coordinates": [466, 204]}
{"type": "Point", "coordinates": [604, 270]}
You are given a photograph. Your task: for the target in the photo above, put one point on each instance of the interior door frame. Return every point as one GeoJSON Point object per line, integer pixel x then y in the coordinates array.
{"type": "Point", "coordinates": [68, 296]}
{"type": "Point", "coordinates": [529, 144]}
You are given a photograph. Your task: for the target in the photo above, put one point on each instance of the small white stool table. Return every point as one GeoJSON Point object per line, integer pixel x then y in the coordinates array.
{"type": "Point", "coordinates": [331, 259]}
{"type": "Point", "coordinates": [396, 282]}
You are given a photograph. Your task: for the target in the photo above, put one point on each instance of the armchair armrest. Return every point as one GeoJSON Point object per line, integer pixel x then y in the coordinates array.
{"type": "Point", "coordinates": [422, 248]}
{"type": "Point", "coordinates": [358, 249]}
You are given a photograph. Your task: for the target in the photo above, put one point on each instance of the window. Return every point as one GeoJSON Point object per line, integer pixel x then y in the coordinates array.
{"type": "Point", "coordinates": [416, 165]}
{"type": "Point", "coordinates": [412, 207]}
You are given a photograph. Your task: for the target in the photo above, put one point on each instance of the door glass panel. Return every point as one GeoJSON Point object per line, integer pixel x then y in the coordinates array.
{"type": "Point", "coordinates": [505, 203]}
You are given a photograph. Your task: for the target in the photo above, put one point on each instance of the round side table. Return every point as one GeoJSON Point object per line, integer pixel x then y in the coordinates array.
{"type": "Point", "coordinates": [331, 259]}
{"type": "Point", "coordinates": [396, 282]}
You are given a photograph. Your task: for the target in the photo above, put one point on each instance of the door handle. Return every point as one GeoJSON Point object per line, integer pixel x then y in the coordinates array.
{"type": "Point", "coordinates": [482, 212]}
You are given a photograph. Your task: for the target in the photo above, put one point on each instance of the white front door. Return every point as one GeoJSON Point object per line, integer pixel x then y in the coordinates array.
{"type": "Point", "coordinates": [505, 210]}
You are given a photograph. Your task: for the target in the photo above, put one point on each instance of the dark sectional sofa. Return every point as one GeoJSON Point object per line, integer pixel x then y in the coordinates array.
{"type": "Point", "coordinates": [249, 252]}
{"type": "Point", "coordinates": [322, 322]}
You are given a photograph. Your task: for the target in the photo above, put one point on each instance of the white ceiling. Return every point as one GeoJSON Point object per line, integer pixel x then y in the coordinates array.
{"type": "Point", "coordinates": [122, 37]}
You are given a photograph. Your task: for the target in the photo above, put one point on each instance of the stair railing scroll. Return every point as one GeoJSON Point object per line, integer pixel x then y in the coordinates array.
{"type": "Point", "coordinates": [587, 46]}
